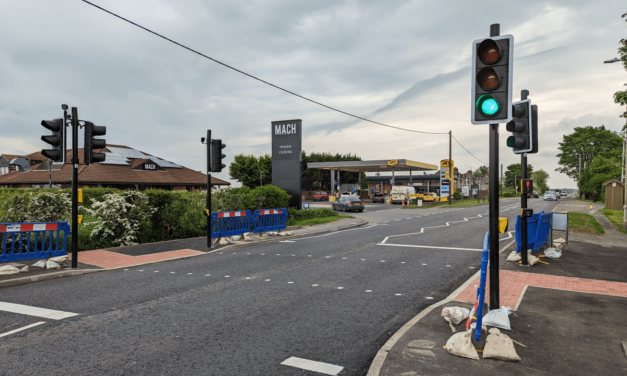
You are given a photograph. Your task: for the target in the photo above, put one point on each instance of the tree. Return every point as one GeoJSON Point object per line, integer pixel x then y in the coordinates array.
{"type": "Point", "coordinates": [590, 142]}
{"type": "Point", "coordinates": [601, 170]}
{"type": "Point", "coordinates": [513, 174]}
{"type": "Point", "coordinates": [620, 97]}
{"type": "Point", "coordinates": [481, 171]}
{"type": "Point", "coordinates": [246, 169]}
{"type": "Point", "coordinates": [540, 178]}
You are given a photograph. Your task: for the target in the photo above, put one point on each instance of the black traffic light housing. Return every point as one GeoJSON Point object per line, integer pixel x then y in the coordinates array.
{"type": "Point", "coordinates": [217, 156]}
{"type": "Point", "coordinates": [520, 126]}
{"type": "Point", "coordinates": [57, 139]}
{"type": "Point", "coordinates": [92, 143]}
{"type": "Point", "coordinates": [492, 76]}
{"type": "Point", "coordinates": [527, 186]}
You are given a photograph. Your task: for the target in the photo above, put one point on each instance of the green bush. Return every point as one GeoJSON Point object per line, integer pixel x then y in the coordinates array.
{"type": "Point", "coordinates": [457, 195]}
{"type": "Point", "coordinates": [273, 198]}
{"type": "Point", "coordinates": [308, 214]}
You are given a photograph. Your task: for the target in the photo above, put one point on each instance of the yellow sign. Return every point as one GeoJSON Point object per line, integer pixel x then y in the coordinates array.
{"type": "Point", "coordinates": [392, 162]}
{"type": "Point", "coordinates": [80, 195]}
{"type": "Point", "coordinates": [503, 222]}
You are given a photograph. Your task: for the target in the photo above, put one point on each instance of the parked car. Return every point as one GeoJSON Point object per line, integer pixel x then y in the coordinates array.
{"type": "Point", "coordinates": [381, 197]}
{"type": "Point", "coordinates": [348, 203]}
{"type": "Point", "coordinates": [550, 196]}
{"type": "Point", "coordinates": [320, 196]}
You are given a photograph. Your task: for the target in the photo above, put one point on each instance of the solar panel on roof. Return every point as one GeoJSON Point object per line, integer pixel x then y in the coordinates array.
{"type": "Point", "coordinates": [128, 153]}
{"type": "Point", "coordinates": [115, 159]}
{"type": "Point", "coordinates": [163, 163]}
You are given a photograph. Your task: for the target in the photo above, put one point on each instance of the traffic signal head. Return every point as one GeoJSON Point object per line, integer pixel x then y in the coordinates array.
{"type": "Point", "coordinates": [217, 156]}
{"type": "Point", "coordinates": [56, 140]}
{"type": "Point", "coordinates": [492, 73]}
{"type": "Point", "coordinates": [92, 143]}
{"type": "Point", "coordinates": [521, 127]}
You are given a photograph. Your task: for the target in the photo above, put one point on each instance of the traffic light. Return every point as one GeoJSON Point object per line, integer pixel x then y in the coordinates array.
{"type": "Point", "coordinates": [492, 75]}
{"type": "Point", "coordinates": [526, 186]}
{"type": "Point", "coordinates": [521, 126]}
{"type": "Point", "coordinates": [217, 156]}
{"type": "Point", "coordinates": [56, 139]}
{"type": "Point", "coordinates": [534, 129]}
{"type": "Point", "coordinates": [92, 143]}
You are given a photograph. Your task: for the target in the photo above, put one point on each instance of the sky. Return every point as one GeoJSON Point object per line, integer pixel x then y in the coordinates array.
{"type": "Point", "coordinates": [403, 63]}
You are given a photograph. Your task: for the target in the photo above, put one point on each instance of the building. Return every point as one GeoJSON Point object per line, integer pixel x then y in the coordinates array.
{"type": "Point", "coordinates": [123, 168]}
{"type": "Point", "coordinates": [427, 182]}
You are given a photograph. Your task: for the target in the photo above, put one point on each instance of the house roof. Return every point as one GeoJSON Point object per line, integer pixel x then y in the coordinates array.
{"type": "Point", "coordinates": [98, 173]}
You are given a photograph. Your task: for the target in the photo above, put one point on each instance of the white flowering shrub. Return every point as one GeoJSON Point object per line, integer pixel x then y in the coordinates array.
{"type": "Point", "coordinates": [49, 207]}
{"type": "Point", "coordinates": [121, 217]}
{"type": "Point", "coordinates": [14, 208]}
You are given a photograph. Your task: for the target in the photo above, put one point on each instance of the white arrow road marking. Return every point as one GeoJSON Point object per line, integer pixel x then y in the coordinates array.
{"type": "Point", "coordinates": [22, 328]}
{"type": "Point", "coordinates": [509, 236]}
{"type": "Point", "coordinates": [310, 365]}
{"type": "Point", "coordinates": [35, 311]}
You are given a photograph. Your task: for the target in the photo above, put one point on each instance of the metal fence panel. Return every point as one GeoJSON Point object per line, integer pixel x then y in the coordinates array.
{"type": "Point", "coordinates": [230, 223]}
{"type": "Point", "coordinates": [270, 220]}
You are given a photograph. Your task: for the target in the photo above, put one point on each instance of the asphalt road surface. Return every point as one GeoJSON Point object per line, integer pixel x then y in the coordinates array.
{"type": "Point", "coordinates": [333, 298]}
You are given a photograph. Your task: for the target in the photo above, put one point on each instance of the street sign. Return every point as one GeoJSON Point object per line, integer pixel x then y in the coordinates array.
{"type": "Point", "coordinates": [306, 206]}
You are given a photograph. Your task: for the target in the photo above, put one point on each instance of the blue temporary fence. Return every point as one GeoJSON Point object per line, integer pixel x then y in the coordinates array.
{"type": "Point", "coordinates": [270, 220]}
{"type": "Point", "coordinates": [31, 241]}
{"type": "Point", "coordinates": [538, 230]}
{"type": "Point", "coordinates": [482, 283]}
{"type": "Point", "coordinates": [230, 223]}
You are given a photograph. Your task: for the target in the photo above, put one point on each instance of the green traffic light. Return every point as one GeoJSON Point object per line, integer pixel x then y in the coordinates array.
{"type": "Point", "coordinates": [511, 142]}
{"type": "Point", "coordinates": [487, 105]}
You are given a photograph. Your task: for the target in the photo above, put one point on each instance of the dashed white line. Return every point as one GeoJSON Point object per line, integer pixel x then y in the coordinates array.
{"type": "Point", "coordinates": [340, 288]}
{"type": "Point", "coordinates": [429, 297]}
{"type": "Point", "coordinates": [368, 290]}
{"type": "Point", "coordinates": [398, 294]}
{"type": "Point", "coordinates": [314, 285]}
{"type": "Point", "coordinates": [267, 280]}
{"type": "Point", "coordinates": [227, 276]}
{"type": "Point", "coordinates": [310, 365]}
{"type": "Point", "coordinates": [247, 277]}
{"type": "Point", "coordinates": [35, 311]}
{"type": "Point", "coordinates": [289, 283]}
{"type": "Point", "coordinates": [22, 328]}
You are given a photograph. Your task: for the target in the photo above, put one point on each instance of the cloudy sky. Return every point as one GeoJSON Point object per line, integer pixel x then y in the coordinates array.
{"type": "Point", "coordinates": [404, 63]}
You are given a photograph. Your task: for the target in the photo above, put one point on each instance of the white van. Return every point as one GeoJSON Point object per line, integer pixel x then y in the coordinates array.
{"type": "Point", "coordinates": [401, 193]}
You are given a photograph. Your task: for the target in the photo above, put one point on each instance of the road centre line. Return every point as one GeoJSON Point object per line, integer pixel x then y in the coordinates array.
{"type": "Point", "coordinates": [311, 365]}
{"type": "Point", "coordinates": [432, 247]}
{"type": "Point", "coordinates": [22, 328]}
{"type": "Point", "coordinates": [35, 311]}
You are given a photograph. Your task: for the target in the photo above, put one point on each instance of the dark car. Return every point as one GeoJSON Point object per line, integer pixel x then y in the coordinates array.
{"type": "Point", "coordinates": [380, 197]}
{"type": "Point", "coordinates": [348, 203]}
{"type": "Point", "coordinates": [534, 194]}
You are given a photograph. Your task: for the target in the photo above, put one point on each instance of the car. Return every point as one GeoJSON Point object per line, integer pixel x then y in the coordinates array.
{"type": "Point", "coordinates": [534, 194]}
{"type": "Point", "coordinates": [550, 196]}
{"type": "Point", "coordinates": [320, 196]}
{"type": "Point", "coordinates": [348, 203]}
{"type": "Point", "coordinates": [381, 197]}
{"type": "Point", "coordinates": [430, 197]}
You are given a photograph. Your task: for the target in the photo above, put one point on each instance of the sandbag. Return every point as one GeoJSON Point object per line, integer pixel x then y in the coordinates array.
{"type": "Point", "coordinates": [532, 260]}
{"type": "Point", "coordinates": [514, 257]}
{"type": "Point", "coordinates": [8, 269]}
{"type": "Point", "coordinates": [499, 346]}
{"type": "Point", "coordinates": [61, 260]}
{"type": "Point", "coordinates": [40, 264]}
{"type": "Point", "coordinates": [498, 318]}
{"type": "Point", "coordinates": [52, 265]}
{"type": "Point", "coordinates": [460, 344]}
{"type": "Point", "coordinates": [552, 253]}
{"type": "Point", "coordinates": [455, 315]}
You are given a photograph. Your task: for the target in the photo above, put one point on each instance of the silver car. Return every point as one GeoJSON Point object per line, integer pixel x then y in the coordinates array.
{"type": "Point", "coordinates": [550, 196]}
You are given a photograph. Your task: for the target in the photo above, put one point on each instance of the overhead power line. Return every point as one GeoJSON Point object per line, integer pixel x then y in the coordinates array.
{"type": "Point", "coordinates": [271, 84]}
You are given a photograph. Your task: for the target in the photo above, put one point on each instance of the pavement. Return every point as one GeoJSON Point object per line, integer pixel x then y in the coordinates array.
{"type": "Point", "coordinates": [569, 313]}
{"type": "Point", "coordinates": [294, 306]}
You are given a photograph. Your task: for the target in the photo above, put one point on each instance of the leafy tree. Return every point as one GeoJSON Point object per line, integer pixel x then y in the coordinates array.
{"type": "Point", "coordinates": [512, 174]}
{"type": "Point", "coordinates": [620, 97]}
{"type": "Point", "coordinates": [590, 142]}
{"type": "Point", "coordinates": [540, 179]}
{"type": "Point", "coordinates": [246, 169]}
{"type": "Point", "coordinates": [600, 171]}
{"type": "Point", "coordinates": [481, 171]}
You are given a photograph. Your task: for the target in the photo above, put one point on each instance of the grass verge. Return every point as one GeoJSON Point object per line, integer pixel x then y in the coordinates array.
{"type": "Point", "coordinates": [615, 217]}
{"type": "Point", "coordinates": [584, 224]}
{"type": "Point", "coordinates": [316, 221]}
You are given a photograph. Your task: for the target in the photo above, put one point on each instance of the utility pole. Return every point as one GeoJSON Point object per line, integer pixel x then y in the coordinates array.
{"type": "Point", "coordinates": [450, 168]}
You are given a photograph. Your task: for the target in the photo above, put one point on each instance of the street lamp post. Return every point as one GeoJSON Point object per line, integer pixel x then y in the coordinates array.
{"type": "Point", "coordinates": [615, 60]}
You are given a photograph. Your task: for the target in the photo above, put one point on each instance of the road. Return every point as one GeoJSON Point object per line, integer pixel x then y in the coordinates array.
{"type": "Point", "coordinates": [332, 298]}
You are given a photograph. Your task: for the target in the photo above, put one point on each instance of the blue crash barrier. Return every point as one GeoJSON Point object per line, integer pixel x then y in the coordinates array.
{"type": "Point", "coordinates": [31, 241]}
{"type": "Point", "coordinates": [269, 220]}
{"type": "Point", "coordinates": [482, 282]}
{"type": "Point", "coordinates": [538, 231]}
{"type": "Point", "coordinates": [230, 223]}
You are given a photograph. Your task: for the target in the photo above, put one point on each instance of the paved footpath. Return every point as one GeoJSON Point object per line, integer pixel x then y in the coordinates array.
{"type": "Point", "coordinates": [568, 312]}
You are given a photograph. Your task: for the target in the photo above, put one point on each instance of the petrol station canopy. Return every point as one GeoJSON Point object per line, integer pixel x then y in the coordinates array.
{"type": "Point", "coordinates": [384, 165]}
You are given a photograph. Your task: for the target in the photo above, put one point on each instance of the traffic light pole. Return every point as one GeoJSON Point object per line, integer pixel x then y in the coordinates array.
{"type": "Point", "coordinates": [451, 172]}
{"type": "Point", "coordinates": [523, 198]}
{"type": "Point", "coordinates": [495, 31]}
{"type": "Point", "coordinates": [74, 187]}
{"type": "Point", "coordinates": [209, 188]}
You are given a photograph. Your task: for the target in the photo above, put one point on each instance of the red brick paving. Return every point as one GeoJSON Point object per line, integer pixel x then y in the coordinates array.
{"type": "Point", "coordinates": [512, 285]}
{"type": "Point", "coordinates": [109, 260]}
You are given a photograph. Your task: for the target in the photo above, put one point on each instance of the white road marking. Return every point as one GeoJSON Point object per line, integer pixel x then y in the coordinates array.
{"type": "Point", "coordinates": [247, 277]}
{"type": "Point", "coordinates": [172, 272]}
{"type": "Point", "coordinates": [287, 241]}
{"type": "Point", "coordinates": [340, 288]}
{"type": "Point", "coordinates": [328, 257]}
{"type": "Point", "coordinates": [430, 298]}
{"type": "Point", "coordinates": [125, 269]}
{"type": "Point", "coordinates": [263, 254]}
{"type": "Point", "coordinates": [190, 273]}
{"type": "Point", "coordinates": [289, 283]}
{"type": "Point", "coordinates": [433, 247]}
{"type": "Point", "coordinates": [22, 328]}
{"type": "Point", "coordinates": [368, 290]}
{"type": "Point", "coordinates": [293, 255]}
{"type": "Point", "coordinates": [207, 275]}
{"type": "Point", "coordinates": [363, 259]}
{"type": "Point", "coordinates": [343, 258]}
{"type": "Point", "coordinates": [278, 254]}
{"type": "Point", "coordinates": [398, 294]}
{"type": "Point", "coordinates": [382, 260]}
{"type": "Point", "coordinates": [226, 276]}
{"type": "Point", "coordinates": [314, 285]}
{"type": "Point", "coordinates": [35, 311]}
{"type": "Point", "coordinates": [308, 255]}
{"type": "Point", "coordinates": [156, 271]}
{"type": "Point", "coordinates": [448, 266]}
{"type": "Point", "coordinates": [141, 270]}
{"type": "Point", "coordinates": [409, 218]}
{"type": "Point", "coordinates": [311, 365]}
{"type": "Point", "coordinates": [424, 264]}
{"type": "Point", "coordinates": [402, 262]}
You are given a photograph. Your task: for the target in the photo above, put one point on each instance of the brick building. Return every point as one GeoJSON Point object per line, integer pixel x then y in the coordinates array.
{"type": "Point", "coordinates": [123, 168]}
